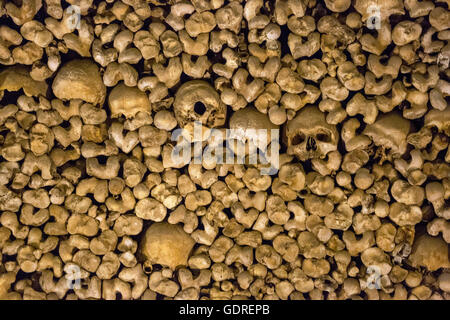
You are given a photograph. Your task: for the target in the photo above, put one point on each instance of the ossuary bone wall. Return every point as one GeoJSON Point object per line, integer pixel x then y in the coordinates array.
{"type": "Point", "coordinates": [94, 206]}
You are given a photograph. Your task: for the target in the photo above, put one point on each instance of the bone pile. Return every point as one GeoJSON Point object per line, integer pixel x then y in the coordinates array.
{"type": "Point", "coordinates": [92, 205]}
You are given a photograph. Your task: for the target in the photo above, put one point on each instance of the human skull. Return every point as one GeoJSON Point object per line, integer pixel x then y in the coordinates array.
{"type": "Point", "coordinates": [250, 118]}
{"type": "Point", "coordinates": [128, 101]}
{"type": "Point", "coordinates": [389, 132]}
{"type": "Point", "coordinates": [309, 136]}
{"type": "Point", "coordinates": [166, 244]}
{"type": "Point", "coordinates": [198, 101]}
{"type": "Point", "coordinates": [430, 252]}
{"type": "Point", "coordinates": [80, 79]}
{"type": "Point", "coordinates": [439, 119]}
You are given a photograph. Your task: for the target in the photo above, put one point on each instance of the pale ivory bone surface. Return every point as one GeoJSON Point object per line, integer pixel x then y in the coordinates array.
{"type": "Point", "coordinates": [92, 92]}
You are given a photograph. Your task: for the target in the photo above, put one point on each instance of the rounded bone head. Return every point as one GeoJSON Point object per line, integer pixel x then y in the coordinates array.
{"type": "Point", "coordinates": [166, 244]}
{"type": "Point", "coordinates": [309, 136]}
{"type": "Point", "coordinates": [197, 100]}
{"type": "Point", "coordinates": [127, 101]}
{"type": "Point", "coordinates": [386, 8]}
{"type": "Point", "coordinates": [338, 5]}
{"type": "Point", "coordinates": [439, 119]}
{"type": "Point", "coordinates": [80, 79]}
{"type": "Point", "coordinates": [389, 131]}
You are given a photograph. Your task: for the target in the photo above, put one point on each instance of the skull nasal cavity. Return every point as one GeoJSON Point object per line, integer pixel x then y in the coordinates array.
{"type": "Point", "coordinates": [199, 108]}
{"type": "Point", "coordinates": [311, 144]}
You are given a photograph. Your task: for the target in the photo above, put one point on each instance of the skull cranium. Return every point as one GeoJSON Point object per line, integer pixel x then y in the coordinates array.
{"type": "Point", "coordinates": [309, 136]}
{"type": "Point", "coordinates": [248, 119]}
{"type": "Point", "coordinates": [389, 131]}
{"type": "Point", "coordinates": [439, 119]}
{"type": "Point", "coordinates": [198, 101]}
{"type": "Point", "coordinates": [166, 244]}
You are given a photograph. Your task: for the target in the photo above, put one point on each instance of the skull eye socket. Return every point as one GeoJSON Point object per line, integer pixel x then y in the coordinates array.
{"type": "Point", "coordinates": [434, 130]}
{"type": "Point", "coordinates": [297, 139]}
{"type": "Point", "coordinates": [199, 108]}
{"type": "Point", "coordinates": [323, 137]}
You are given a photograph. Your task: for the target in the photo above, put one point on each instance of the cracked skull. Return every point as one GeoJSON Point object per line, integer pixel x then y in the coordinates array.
{"type": "Point", "coordinates": [309, 136]}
